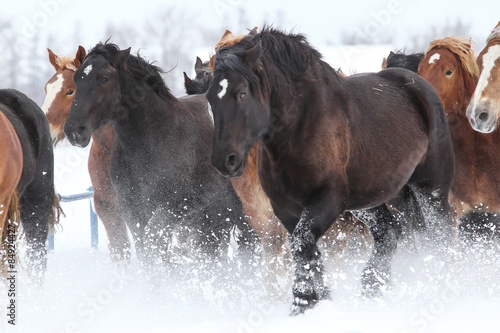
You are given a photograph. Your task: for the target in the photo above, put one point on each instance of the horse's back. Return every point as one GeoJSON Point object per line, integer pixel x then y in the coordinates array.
{"type": "Point", "coordinates": [397, 124]}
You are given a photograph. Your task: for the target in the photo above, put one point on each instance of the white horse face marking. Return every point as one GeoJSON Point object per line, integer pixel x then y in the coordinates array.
{"type": "Point", "coordinates": [481, 104]}
{"type": "Point", "coordinates": [52, 90]}
{"type": "Point", "coordinates": [224, 85]}
{"type": "Point", "coordinates": [435, 57]}
{"type": "Point", "coordinates": [87, 70]}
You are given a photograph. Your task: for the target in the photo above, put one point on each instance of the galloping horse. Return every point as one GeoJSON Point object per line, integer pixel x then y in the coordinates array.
{"type": "Point", "coordinates": [483, 111]}
{"type": "Point", "coordinates": [38, 202]}
{"type": "Point", "coordinates": [199, 85]}
{"type": "Point", "coordinates": [450, 66]}
{"type": "Point", "coordinates": [160, 159]}
{"type": "Point", "coordinates": [330, 144]}
{"type": "Point", "coordinates": [400, 59]}
{"type": "Point", "coordinates": [11, 167]}
{"type": "Point", "coordinates": [60, 91]}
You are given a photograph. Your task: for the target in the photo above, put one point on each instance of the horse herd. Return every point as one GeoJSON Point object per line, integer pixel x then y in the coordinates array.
{"type": "Point", "coordinates": [270, 145]}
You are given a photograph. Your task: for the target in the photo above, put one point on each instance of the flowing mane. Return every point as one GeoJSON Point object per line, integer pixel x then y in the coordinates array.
{"type": "Point", "coordinates": [285, 59]}
{"type": "Point", "coordinates": [66, 62]}
{"type": "Point", "coordinates": [461, 47]}
{"type": "Point", "coordinates": [139, 69]}
{"type": "Point", "coordinates": [495, 33]}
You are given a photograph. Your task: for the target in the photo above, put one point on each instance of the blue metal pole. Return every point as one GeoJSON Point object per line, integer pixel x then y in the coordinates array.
{"type": "Point", "coordinates": [94, 231]}
{"type": "Point", "coordinates": [50, 241]}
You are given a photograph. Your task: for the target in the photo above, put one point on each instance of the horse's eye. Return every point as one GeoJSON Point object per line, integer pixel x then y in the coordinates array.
{"type": "Point", "coordinates": [104, 80]}
{"type": "Point", "coordinates": [242, 95]}
{"type": "Point", "coordinates": [70, 92]}
{"type": "Point", "coordinates": [206, 73]}
{"type": "Point", "coordinates": [449, 72]}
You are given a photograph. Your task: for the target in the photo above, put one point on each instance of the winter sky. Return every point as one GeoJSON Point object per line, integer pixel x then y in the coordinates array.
{"type": "Point", "coordinates": [322, 21]}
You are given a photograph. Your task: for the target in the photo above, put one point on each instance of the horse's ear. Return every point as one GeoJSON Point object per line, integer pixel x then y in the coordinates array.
{"type": "Point", "coordinates": [384, 63]}
{"type": "Point", "coordinates": [227, 33]}
{"type": "Point", "coordinates": [252, 56]}
{"type": "Point", "coordinates": [253, 32]}
{"type": "Point", "coordinates": [80, 55]}
{"type": "Point", "coordinates": [122, 55]}
{"type": "Point", "coordinates": [53, 59]}
{"type": "Point", "coordinates": [187, 80]}
{"type": "Point", "coordinates": [198, 65]}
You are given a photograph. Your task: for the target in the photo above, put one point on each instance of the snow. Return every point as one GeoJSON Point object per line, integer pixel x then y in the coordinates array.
{"type": "Point", "coordinates": [84, 292]}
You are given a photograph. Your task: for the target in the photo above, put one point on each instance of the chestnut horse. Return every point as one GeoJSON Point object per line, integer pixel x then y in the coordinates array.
{"type": "Point", "coordinates": [330, 144]}
{"type": "Point", "coordinates": [159, 162]}
{"type": "Point", "coordinates": [483, 111]}
{"type": "Point", "coordinates": [39, 209]}
{"type": "Point", "coordinates": [60, 91]}
{"type": "Point", "coordinates": [11, 167]}
{"type": "Point", "coordinates": [450, 66]}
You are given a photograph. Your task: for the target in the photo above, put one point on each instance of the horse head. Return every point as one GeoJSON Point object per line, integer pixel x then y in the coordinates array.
{"type": "Point", "coordinates": [483, 110]}
{"type": "Point", "coordinates": [60, 90]}
{"type": "Point", "coordinates": [241, 113]}
{"type": "Point", "coordinates": [450, 66]}
{"type": "Point", "coordinates": [98, 93]}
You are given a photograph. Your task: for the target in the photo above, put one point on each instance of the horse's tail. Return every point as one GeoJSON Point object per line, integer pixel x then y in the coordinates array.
{"type": "Point", "coordinates": [55, 213]}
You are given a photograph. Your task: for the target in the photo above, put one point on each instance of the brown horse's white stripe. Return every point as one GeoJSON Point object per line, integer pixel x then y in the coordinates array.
{"type": "Point", "coordinates": [52, 90]}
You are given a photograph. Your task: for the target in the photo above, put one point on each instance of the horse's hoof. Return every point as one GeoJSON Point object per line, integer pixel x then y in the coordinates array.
{"type": "Point", "coordinates": [301, 305]}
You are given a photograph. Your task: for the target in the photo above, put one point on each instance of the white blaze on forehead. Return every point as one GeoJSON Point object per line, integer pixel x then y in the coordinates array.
{"type": "Point", "coordinates": [223, 84]}
{"type": "Point", "coordinates": [434, 58]}
{"type": "Point", "coordinates": [488, 64]}
{"type": "Point", "coordinates": [87, 70]}
{"type": "Point", "coordinates": [210, 113]}
{"type": "Point", "coordinates": [52, 90]}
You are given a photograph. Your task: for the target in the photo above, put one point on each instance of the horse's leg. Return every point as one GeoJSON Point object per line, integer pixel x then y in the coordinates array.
{"type": "Point", "coordinates": [36, 208]}
{"type": "Point", "coordinates": [308, 286]}
{"type": "Point", "coordinates": [385, 230]}
{"type": "Point", "coordinates": [106, 204]}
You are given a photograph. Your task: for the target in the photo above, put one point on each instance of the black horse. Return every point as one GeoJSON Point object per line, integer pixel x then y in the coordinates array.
{"type": "Point", "coordinates": [403, 60]}
{"type": "Point", "coordinates": [160, 160]}
{"type": "Point", "coordinates": [200, 84]}
{"type": "Point", "coordinates": [330, 144]}
{"type": "Point", "coordinates": [38, 203]}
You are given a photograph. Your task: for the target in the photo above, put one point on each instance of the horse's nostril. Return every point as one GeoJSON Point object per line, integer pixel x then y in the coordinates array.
{"type": "Point", "coordinates": [231, 161]}
{"type": "Point", "coordinates": [81, 129]}
{"type": "Point", "coordinates": [483, 116]}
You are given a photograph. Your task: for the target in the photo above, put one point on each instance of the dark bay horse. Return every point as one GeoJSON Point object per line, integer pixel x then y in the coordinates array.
{"type": "Point", "coordinates": [450, 66]}
{"type": "Point", "coordinates": [60, 91]}
{"type": "Point", "coordinates": [11, 166]}
{"type": "Point", "coordinates": [198, 85]}
{"type": "Point", "coordinates": [403, 60]}
{"type": "Point", "coordinates": [160, 159]}
{"type": "Point", "coordinates": [331, 144]}
{"type": "Point", "coordinates": [483, 111]}
{"type": "Point", "coordinates": [259, 213]}
{"type": "Point", "coordinates": [38, 203]}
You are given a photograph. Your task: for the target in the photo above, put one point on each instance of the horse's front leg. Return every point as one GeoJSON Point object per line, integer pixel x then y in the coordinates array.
{"type": "Point", "coordinates": [317, 217]}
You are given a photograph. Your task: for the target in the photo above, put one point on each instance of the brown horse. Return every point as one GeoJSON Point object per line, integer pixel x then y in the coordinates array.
{"type": "Point", "coordinates": [60, 91]}
{"type": "Point", "coordinates": [11, 167]}
{"type": "Point", "coordinates": [260, 215]}
{"type": "Point", "coordinates": [483, 111]}
{"type": "Point", "coordinates": [450, 66]}
{"type": "Point", "coordinates": [331, 144]}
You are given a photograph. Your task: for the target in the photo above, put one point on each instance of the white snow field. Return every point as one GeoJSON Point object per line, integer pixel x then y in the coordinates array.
{"type": "Point", "coordinates": [84, 292]}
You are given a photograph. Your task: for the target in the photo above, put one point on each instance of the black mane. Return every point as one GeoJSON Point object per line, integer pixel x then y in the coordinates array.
{"type": "Point", "coordinates": [408, 61]}
{"type": "Point", "coordinates": [139, 69]}
{"type": "Point", "coordinates": [286, 58]}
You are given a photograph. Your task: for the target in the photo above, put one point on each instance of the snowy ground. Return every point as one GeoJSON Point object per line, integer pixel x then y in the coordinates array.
{"type": "Point", "coordinates": [84, 292]}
